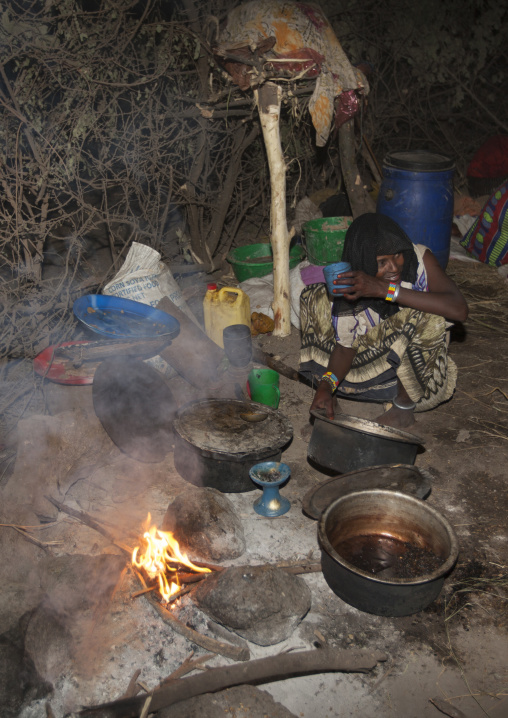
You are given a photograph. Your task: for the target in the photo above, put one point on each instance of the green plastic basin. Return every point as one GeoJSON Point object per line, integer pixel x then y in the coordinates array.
{"type": "Point", "coordinates": [256, 260]}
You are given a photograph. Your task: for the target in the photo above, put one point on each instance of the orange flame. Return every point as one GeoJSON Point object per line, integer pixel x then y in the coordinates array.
{"type": "Point", "coordinates": [161, 551]}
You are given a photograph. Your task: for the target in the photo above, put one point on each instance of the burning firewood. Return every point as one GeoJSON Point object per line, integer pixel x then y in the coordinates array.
{"type": "Point", "coordinates": [237, 653]}
{"type": "Point", "coordinates": [161, 556]}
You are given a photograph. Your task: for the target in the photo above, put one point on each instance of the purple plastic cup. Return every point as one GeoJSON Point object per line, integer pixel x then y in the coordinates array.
{"type": "Point", "coordinates": [331, 271]}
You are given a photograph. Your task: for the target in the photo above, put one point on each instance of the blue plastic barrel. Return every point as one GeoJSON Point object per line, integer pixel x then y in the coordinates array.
{"type": "Point", "coordinates": [417, 192]}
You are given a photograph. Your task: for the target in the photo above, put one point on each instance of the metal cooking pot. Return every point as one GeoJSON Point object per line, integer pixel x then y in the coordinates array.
{"type": "Point", "coordinates": [383, 515]}
{"type": "Point", "coordinates": [347, 443]}
{"type": "Point", "coordinates": [217, 441]}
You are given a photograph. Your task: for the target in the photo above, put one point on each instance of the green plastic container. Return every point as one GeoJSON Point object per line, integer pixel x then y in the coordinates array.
{"type": "Point", "coordinates": [324, 239]}
{"type": "Point", "coordinates": [256, 260]}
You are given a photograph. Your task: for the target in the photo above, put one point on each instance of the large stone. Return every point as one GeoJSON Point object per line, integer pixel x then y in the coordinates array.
{"type": "Point", "coordinates": [78, 582]}
{"type": "Point", "coordinates": [48, 643]}
{"type": "Point", "coordinates": [20, 575]}
{"type": "Point", "coordinates": [262, 604]}
{"type": "Point", "coordinates": [238, 702]}
{"type": "Point", "coordinates": [205, 524]}
{"type": "Point", "coordinates": [19, 681]}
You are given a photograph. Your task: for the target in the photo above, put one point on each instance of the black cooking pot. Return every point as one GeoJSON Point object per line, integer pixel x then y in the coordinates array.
{"type": "Point", "coordinates": [395, 522]}
{"type": "Point", "coordinates": [217, 441]}
{"type": "Point", "coordinates": [347, 443]}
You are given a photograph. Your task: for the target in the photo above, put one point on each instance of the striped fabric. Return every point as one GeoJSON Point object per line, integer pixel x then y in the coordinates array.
{"type": "Point", "coordinates": [487, 239]}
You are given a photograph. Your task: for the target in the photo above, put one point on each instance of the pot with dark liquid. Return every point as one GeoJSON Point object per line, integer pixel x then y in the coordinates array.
{"type": "Point", "coordinates": [385, 552]}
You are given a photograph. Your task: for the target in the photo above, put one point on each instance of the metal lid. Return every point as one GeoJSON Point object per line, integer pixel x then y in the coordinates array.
{"type": "Point", "coordinates": [419, 161]}
{"type": "Point", "coordinates": [405, 478]}
{"type": "Point", "coordinates": [364, 426]}
{"type": "Point", "coordinates": [223, 426]}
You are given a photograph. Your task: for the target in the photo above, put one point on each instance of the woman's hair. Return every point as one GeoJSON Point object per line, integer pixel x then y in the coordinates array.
{"type": "Point", "coordinates": [369, 237]}
{"type": "Point", "coordinates": [373, 235]}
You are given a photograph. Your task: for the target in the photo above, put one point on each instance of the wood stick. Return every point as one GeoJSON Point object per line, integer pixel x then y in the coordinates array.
{"type": "Point", "coordinates": [30, 538]}
{"type": "Point", "coordinates": [146, 707]}
{"type": "Point", "coordinates": [83, 517]}
{"type": "Point", "coordinates": [142, 592]}
{"type": "Point", "coordinates": [263, 669]}
{"type": "Point", "coordinates": [446, 708]}
{"type": "Point", "coordinates": [263, 358]}
{"type": "Point", "coordinates": [91, 523]}
{"type": "Point", "coordinates": [132, 689]}
{"type": "Point", "coordinates": [211, 566]}
{"type": "Point", "coordinates": [187, 666]}
{"type": "Point", "coordinates": [193, 577]}
{"type": "Point", "coordinates": [296, 568]}
{"type": "Point", "coordinates": [237, 653]}
{"type": "Point", "coordinates": [189, 578]}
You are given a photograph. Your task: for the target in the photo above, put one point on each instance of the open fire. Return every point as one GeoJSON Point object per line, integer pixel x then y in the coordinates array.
{"type": "Point", "coordinates": [160, 557]}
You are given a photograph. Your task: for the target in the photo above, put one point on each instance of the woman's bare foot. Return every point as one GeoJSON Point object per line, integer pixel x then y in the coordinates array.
{"type": "Point", "coordinates": [398, 418]}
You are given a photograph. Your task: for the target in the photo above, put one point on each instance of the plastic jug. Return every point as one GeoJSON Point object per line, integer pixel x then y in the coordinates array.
{"type": "Point", "coordinates": [223, 307]}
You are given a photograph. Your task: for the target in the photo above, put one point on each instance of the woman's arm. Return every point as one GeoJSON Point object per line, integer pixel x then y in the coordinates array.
{"type": "Point", "coordinates": [339, 364]}
{"type": "Point", "coordinates": [443, 298]}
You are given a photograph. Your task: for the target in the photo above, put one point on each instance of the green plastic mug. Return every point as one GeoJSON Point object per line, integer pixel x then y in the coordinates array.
{"type": "Point", "coordinates": [264, 386]}
{"type": "Point", "coordinates": [261, 376]}
{"type": "Point", "coordinates": [267, 394]}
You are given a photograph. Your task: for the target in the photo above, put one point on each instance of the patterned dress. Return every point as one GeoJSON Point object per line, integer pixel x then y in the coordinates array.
{"type": "Point", "coordinates": [410, 345]}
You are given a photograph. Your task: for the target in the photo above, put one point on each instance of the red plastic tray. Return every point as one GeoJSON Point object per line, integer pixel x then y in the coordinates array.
{"type": "Point", "coordinates": [61, 370]}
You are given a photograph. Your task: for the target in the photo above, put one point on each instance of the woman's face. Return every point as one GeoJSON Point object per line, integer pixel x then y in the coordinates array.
{"type": "Point", "coordinates": [389, 267]}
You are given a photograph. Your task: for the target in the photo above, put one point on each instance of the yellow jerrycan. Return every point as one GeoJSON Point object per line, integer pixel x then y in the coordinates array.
{"type": "Point", "coordinates": [223, 307]}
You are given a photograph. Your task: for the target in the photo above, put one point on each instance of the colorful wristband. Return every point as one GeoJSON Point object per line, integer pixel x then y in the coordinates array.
{"type": "Point", "coordinates": [330, 379]}
{"type": "Point", "coordinates": [393, 293]}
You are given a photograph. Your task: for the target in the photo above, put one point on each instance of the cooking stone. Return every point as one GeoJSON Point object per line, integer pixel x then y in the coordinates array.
{"type": "Point", "coordinates": [262, 604]}
{"type": "Point", "coordinates": [396, 477]}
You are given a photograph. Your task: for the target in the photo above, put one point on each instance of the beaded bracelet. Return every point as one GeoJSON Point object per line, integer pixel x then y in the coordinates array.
{"type": "Point", "coordinates": [393, 293]}
{"type": "Point", "coordinates": [330, 379]}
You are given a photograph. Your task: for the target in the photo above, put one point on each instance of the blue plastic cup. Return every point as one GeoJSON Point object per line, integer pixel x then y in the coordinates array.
{"type": "Point", "coordinates": [331, 271]}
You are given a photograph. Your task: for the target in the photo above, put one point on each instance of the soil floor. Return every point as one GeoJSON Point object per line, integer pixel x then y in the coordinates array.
{"type": "Point", "coordinates": [455, 650]}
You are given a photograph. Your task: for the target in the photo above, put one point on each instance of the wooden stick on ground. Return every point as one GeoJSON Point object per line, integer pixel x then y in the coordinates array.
{"type": "Point", "coordinates": [190, 664]}
{"type": "Point", "coordinates": [447, 708]}
{"type": "Point", "coordinates": [83, 517]}
{"type": "Point", "coordinates": [237, 653]}
{"type": "Point", "coordinates": [90, 522]}
{"type": "Point", "coordinates": [133, 688]}
{"type": "Point", "coordinates": [263, 669]}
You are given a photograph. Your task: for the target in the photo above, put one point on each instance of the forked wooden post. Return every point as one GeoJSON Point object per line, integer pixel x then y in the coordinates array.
{"type": "Point", "coordinates": [268, 100]}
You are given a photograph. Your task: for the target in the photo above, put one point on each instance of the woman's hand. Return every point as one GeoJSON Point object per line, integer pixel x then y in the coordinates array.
{"type": "Point", "coordinates": [323, 399]}
{"type": "Point", "coordinates": [361, 285]}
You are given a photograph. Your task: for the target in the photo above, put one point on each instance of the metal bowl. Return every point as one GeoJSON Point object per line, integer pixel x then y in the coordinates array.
{"type": "Point", "coordinates": [392, 516]}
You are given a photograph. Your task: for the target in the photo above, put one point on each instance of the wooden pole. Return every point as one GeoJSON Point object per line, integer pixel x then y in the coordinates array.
{"type": "Point", "coordinates": [268, 100]}
{"type": "Point", "coordinates": [359, 199]}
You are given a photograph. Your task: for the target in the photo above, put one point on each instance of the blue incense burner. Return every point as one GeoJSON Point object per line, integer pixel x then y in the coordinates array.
{"type": "Point", "coordinates": [269, 475]}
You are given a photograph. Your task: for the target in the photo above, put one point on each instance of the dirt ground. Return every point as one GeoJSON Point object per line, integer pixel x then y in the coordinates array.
{"type": "Point", "coordinates": [454, 650]}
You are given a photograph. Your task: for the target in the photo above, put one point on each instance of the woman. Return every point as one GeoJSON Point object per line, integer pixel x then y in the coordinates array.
{"type": "Point", "coordinates": [384, 336]}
